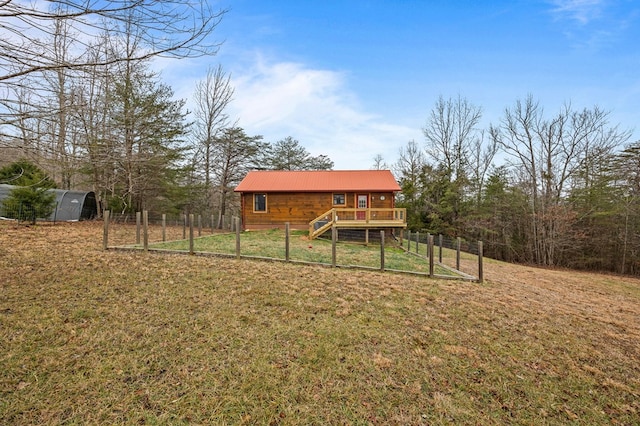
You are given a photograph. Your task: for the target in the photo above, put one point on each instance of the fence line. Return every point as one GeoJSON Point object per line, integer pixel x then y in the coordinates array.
{"type": "Point", "coordinates": [418, 242]}
{"type": "Point", "coordinates": [423, 246]}
{"type": "Point", "coordinates": [21, 212]}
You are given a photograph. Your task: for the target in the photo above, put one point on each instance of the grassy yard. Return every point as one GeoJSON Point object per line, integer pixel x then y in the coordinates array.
{"type": "Point", "coordinates": [128, 337]}
{"type": "Point", "coordinates": [271, 244]}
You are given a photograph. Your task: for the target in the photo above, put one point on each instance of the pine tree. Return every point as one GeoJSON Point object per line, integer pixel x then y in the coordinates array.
{"type": "Point", "coordinates": [149, 126]}
{"type": "Point", "coordinates": [31, 198]}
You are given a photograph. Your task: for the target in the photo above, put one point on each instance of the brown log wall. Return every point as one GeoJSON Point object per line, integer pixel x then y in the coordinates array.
{"type": "Point", "coordinates": [301, 208]}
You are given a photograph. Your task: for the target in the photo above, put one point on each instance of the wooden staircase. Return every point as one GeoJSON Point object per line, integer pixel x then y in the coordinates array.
{"type": "Point", "coordinates": [357, 219]}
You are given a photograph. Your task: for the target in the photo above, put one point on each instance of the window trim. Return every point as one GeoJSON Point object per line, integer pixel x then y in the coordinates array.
{"type": "Point", "coordinates": [344, 199]}
{"type": "Point", "coordinates": [265, 202]}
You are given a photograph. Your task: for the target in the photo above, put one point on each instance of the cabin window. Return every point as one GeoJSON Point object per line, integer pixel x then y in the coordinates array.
{"type": "Point", "coordinates": [259, 202]}
{"type": "Point", "coordinates": [339, 199]}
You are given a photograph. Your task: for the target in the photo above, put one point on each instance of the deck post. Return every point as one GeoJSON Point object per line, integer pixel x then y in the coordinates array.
{"type": "Point", "coordinates": [366, 237]}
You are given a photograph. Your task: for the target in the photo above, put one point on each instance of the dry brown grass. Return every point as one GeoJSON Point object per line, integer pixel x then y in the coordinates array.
{"type": "Point", "coordinates": [97, 337]}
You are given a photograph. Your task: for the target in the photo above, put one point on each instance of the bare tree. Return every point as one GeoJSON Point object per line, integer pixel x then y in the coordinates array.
{"type": "Point", "coordinates": [59, 81]}
{"type": "Point", "coordinates": [548, 154]}
{"type": "Point", "coordinates": [212, 97]}
{"type": "Point", "coordinates": [94, 93]}
{"type": "Point", "coordinates": [379, 163]}
{"type": "Point", "coordinates": [169, 28]}
{"type": "Point", "coordinates": [411, 162]}
{"type": "Point", "coordinates": [49, 51]}
{"type": "Point", "coordinates": [450, 134]}
{"type": "Point", "coordinates": [480, 159]}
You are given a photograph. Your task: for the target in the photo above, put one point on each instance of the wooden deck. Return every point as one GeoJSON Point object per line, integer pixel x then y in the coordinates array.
{"type": "Point", "coordinates": [357, 219]}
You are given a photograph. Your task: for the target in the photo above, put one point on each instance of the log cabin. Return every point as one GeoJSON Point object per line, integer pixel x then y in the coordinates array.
{"type": "Point", "coordinates": [320, 199]}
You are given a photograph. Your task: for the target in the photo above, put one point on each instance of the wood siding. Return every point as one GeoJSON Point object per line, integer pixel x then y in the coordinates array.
{"type": "Point", "coordinates": [301, 208]}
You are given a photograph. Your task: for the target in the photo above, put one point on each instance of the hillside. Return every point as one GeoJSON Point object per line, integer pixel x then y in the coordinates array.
{"type": "Point", "coordinates": [88, 336]}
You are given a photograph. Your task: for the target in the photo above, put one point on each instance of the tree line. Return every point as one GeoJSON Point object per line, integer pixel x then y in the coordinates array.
{"type": "Point", "coordinates": [559, 189]}
{"type": "Point", "coordinates": [79, 98]}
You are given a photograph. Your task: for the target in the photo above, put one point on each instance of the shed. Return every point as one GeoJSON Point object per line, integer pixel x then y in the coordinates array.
{"type": "Point", "coordinates": [319, 199]}
{"type": "Point", "coordinates": [70, 205]}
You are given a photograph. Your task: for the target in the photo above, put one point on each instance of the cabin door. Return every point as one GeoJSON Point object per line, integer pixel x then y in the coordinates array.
{"type": "Point", "coordinates": [363, 203]}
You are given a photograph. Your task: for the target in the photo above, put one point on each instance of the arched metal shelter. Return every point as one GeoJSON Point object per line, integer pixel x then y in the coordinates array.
{"type": "Point", "coordinates": [70, 205]}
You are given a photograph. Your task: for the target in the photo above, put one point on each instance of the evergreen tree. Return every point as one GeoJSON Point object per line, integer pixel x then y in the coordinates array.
{"type": "Point", "coordinates": [149, 127]}
{"type": "Point", "coordinates": [30, 199]}
{"type": "Point", "coordinates": [288, 154]}
{"type": "Point", "coordinates": [410, 170]}
{"type": "Point", "coordinates": [235, 153]}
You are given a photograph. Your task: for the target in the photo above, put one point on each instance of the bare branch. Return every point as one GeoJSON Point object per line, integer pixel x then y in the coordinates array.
{"type": "Point", "coordinates": [167, 28]}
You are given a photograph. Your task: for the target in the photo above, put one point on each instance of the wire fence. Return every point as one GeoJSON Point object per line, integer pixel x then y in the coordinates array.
{"type": "Point", "coordinates": [24, 212]}
{"type": "Point", "coordinates": [127, 228]}
{"type": "Point", "coordinates": [456, 253]}
{"type": "Point", "coordinates": [189, 234]}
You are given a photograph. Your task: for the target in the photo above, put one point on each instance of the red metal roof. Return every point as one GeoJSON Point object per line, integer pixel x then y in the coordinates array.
{"type": "Point", "coordinates": [318, 181]}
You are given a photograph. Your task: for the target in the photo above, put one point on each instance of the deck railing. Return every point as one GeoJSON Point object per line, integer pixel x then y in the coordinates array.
{"type": "Point", "coordinates": [357, 218]}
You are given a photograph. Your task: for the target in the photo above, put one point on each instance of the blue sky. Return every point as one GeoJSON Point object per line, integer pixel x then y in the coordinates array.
{"type": "Point", "coordinates": [354, 78]}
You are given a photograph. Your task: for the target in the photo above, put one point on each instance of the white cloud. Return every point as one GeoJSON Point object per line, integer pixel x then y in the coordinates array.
{"type": "Point", "coordinates": [317, 108]}
{"type": "Point", "coordinates": [582, 11]}
{"type": "Point", "coordinates": [593, 25]}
